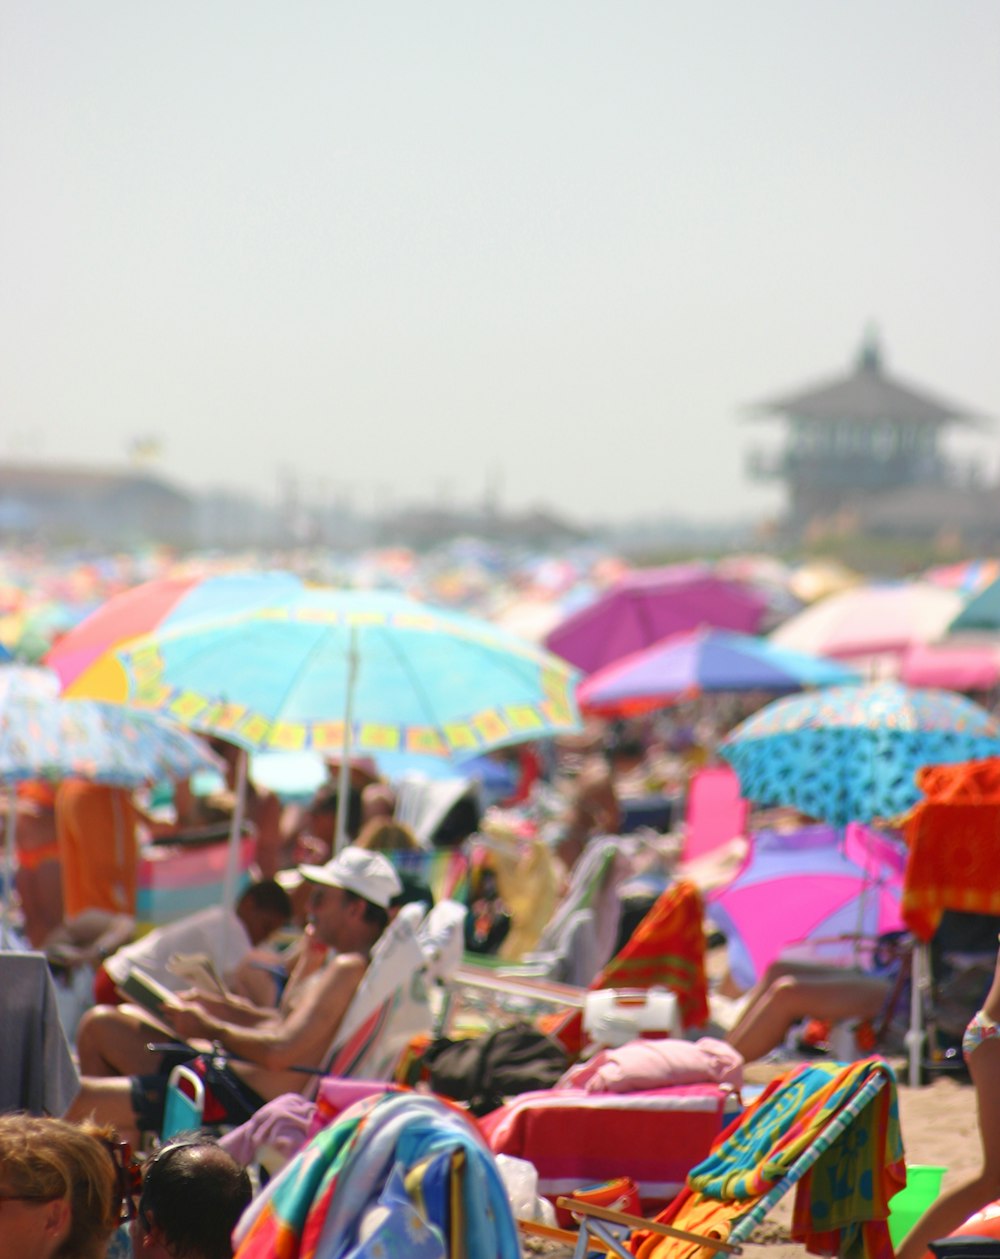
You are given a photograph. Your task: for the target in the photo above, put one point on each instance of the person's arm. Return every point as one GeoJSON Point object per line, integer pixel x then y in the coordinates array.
{"type": "Point", "coordinates": [299, 1038]}
{"type": "Point", "coordinates": [230, 1008]}
{"type": "Point", "coordinates": [89, 937]}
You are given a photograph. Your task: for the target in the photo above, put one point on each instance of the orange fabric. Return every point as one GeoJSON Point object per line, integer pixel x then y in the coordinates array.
{"type": "Point", "coordinates": [667, 948]}
{"type": "Point", "coordinates": [32, 858]}
{"type": "Point", "coordinates": [98, 847]}
{"type": "Point", "coordinates": [954, 841]}
{"type": "Point", "coordinates": [696, 1214]}
{"type": "Point", "coordinates": [971, 782]}
{"type": "Point", "coordinates": [39, 792]}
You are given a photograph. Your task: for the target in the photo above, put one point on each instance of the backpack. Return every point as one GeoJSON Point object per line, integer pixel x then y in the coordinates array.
{"type": "Point", "coordinates": [484, 1070]}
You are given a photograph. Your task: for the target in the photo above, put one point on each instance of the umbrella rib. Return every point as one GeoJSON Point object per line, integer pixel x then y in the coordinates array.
{"type": "Point", "coordinates": [419, 689]}
{"type": "Point", "coordinates": [296, 677]}
{"type": "Point", "coordinates": [499, 659]}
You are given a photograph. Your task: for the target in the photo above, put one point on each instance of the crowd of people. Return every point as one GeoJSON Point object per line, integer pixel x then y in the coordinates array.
{"type": "Point", "coordinates": [285, 962]}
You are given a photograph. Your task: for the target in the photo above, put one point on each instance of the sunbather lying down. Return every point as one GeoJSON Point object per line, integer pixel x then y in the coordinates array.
{"type": "Point", "coordinates": [789, 992]}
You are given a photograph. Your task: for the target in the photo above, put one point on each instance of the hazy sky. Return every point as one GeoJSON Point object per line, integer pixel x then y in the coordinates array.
{"type": "Point", "coordinates": [412, 249]}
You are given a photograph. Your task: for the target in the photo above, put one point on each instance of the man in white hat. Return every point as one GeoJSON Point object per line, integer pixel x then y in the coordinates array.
{"type": "Point", "coordinates": [126, 1084]}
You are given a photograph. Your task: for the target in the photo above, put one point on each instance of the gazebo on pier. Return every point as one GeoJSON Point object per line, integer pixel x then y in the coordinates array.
{"type": "Point", "coordinates": [855, 438]}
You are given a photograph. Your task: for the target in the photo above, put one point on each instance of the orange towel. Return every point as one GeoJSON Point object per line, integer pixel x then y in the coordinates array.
{"type": "Point", "coordinates": [971, 782]}
{"type": "Point", "coordinates": [696, 1214]}
{"type": "Point", "coordinates": [952, 863]}
{"type": "Point", "coordinates": [667, 948]}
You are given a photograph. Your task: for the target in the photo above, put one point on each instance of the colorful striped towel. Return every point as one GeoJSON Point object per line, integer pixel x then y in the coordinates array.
{"type": "Point", "coordinates": [842, 1199]}
{"type": "Point", "coordinates": [316, 1205]}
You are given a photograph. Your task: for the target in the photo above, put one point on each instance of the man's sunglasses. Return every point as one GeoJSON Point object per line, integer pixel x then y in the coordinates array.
{"type": "Point", "coordinates": [129, 1178]}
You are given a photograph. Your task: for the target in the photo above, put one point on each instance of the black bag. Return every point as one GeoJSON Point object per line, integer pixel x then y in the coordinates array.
{"type": "Point", "coordinates": [484, 1070]}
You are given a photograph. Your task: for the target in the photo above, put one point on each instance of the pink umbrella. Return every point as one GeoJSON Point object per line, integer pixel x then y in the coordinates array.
{"type": "Point", "coordinates": [952, 666]}
{"type": "Point", "coordinates": [646, 606]}
{"type": "Point", "coordinates": [871, 620]}
{"type": "Point", "coordinates": [813, 884]}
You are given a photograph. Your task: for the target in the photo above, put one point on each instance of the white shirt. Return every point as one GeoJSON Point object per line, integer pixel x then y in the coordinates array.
{"type": "Point", "coordinates": [216, 931]}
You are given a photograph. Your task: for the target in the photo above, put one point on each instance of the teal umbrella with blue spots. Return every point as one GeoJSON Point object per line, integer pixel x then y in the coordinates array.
{"type": "Point", "coordinates": [851, 753]}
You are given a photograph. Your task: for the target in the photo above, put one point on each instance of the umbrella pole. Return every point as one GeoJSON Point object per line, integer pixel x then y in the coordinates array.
{"type": "Point", "coordinates": [8, 865]}
{"type": "Point", "coordinates": [914, 1038]}
{"type": "Point", "coordinates": [235, 832]}
{"type": "Point", "coordinates": [344, 776]}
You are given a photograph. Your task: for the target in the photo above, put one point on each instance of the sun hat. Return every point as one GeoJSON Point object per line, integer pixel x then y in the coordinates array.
{"type": "Point", "coordinates": [368, 874]}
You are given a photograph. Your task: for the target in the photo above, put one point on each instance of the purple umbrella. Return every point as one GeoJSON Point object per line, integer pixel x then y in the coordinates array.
{"type": "Point", "coordinates": [703, 660]}
{"type": "Point", "coordinates": [647, 606]}
{"type": "Point", "coordinates": [813, 884]}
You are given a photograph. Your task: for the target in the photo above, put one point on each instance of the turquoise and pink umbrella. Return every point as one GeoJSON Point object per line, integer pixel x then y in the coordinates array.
{"type": "Point", "coordinates": [161, 604]}
{"type": "Point", "coordinates": [355, 673]}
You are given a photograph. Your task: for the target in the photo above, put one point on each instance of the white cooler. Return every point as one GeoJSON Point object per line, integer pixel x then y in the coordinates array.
{"type": "Point", "coordinates": [614, 1016]}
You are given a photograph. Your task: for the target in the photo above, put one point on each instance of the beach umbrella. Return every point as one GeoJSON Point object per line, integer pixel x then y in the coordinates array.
{"type": "Point", "coordinates": [953, 664]}
{"type": "Point", "coordinates": [812, 885]}
{"type": "Point", "coordinates": [981, 613]}
{"type": "Point", "coordinates": [163, 603]}
{"type": "Point", "coordinates": [353, 673]}
{"type": "Point", "coordinates": [645, 606]}
{"type": "Point", "coordinates": [967, 576]}
{"type": "Point", "coordinates": [850, 753]}
{"type": "Point", "coordinates": [43, 736]}
{"type": "Point", "coordinates": [870, 620]}
{"type": "Point", "coordinates": [701, 661]}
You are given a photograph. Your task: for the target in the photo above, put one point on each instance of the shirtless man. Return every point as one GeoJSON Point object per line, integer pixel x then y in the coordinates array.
{"type": "Point", "coordinates": [124, 1082]}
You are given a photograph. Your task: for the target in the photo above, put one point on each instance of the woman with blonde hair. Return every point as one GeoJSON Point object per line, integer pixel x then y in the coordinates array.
{"type": "Point", "coordinates": [62, 1186]}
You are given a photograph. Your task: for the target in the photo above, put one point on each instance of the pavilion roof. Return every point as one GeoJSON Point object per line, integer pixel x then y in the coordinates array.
{"type": "Point", "coordinates": [866, 395]}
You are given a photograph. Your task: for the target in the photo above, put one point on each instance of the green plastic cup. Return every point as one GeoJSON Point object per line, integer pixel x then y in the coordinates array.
{"type": "Point", "coordinates": [923, 1184]}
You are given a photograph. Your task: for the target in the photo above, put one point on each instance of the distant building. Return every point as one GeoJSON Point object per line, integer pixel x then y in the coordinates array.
{"type": "Point", "coordinates": [857, 441]}
{"type": "Point", "coordinates": [424, 527]}
{"type": "Point", "coordinates": [86, 506]}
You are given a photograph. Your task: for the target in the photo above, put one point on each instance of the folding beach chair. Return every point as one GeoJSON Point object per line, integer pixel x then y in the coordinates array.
{"type": "Point", "coordinates": [666, 950]}
{"type": "Point", "coordinates": [829, 1131]}
{"type": "Point", "coordinates": [716, 813]}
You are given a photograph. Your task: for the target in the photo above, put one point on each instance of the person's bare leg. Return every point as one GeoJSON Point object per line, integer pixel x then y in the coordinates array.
{"type": "Point", "coordinates": [956, 1205]}
{"type": "Point", "coordinates": [792, 998]}
{"type": "Point", "coordinates": [108, 1102]}
{"type": "Point", "coordinates": [782, 969]}
{"type": "Point", "coordinates": [112, 1040]}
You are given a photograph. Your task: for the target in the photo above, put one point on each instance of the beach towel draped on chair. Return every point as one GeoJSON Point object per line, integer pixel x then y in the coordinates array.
{"type": "Point", "coordinates": [830, 1130]}
{"type": "Point", "coordinates": [666, 949]}
{"type": "Point", "coordinates": [447, 1181]}
{"type": "Point", "coordinates": [952, 837]}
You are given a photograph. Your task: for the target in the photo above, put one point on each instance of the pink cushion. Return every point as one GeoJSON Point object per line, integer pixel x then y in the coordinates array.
{"type": "Point", "coordinates": [646, 1064]}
